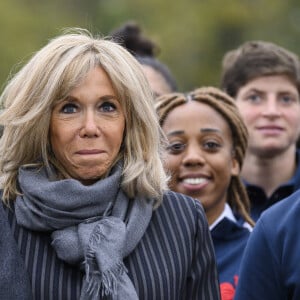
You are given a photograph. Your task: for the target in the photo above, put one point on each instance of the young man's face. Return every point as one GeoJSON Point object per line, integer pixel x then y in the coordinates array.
{"type": "Point", "coordinates": [270, 107]}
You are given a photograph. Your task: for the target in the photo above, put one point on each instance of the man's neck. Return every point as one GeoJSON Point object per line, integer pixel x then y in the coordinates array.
{"type": "Point", "coordinates": [269, 173]}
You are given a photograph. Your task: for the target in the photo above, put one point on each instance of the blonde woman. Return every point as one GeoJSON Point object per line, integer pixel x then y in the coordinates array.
{"type": "Point", "coordinates": [86, 212]}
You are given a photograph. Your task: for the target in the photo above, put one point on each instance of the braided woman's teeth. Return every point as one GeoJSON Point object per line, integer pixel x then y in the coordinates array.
{"type": "Point", "coordinates": [194, 180]}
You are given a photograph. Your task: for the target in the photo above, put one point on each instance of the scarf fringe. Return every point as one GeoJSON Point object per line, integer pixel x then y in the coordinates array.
{"type": "Point", "coordinates": [105, 283]}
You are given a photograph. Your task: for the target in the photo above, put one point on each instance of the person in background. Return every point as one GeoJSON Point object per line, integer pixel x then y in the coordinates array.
{"type": "Point", "coordinates": [130, 36]}
{"type": "Point", "coordinates": [264, 80]}
{"type": "Point", "coordinates": [270, 267]}
{"type": "Point", "coordinates": [86, 213]}
{"type": "Point", "coordinates": [207, 141]}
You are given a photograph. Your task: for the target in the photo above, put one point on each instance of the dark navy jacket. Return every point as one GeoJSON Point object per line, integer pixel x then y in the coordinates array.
{"type": "Point", "coordinates": [270, 268]}
{"type": "Point", "coordinates": [14, 280]}
{"type": "Point", "coordinates": [174, 259]}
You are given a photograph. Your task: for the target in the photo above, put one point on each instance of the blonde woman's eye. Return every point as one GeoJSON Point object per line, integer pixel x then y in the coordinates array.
{"type": "Point", "coordinates": [107, 107]}
{"type": "Point", "coordinates": [69, 108]}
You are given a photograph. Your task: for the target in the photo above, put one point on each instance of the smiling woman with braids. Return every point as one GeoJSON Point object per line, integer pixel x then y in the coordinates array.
{"type": "Point", "coordinates": [207, 140]}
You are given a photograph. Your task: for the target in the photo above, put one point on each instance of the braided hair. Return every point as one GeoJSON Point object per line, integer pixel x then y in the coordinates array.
{"type": "Point", "coordinates": [225, 106]}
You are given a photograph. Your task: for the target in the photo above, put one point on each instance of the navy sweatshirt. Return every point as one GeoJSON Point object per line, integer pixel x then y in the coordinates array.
{"type": "Point", "coordinates": [270, 268]}
{"type": "Point", "coordinates": [230, 239]}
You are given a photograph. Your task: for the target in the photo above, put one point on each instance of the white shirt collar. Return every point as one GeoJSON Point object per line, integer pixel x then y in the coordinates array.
{"type": "Point", "coordinates": [226, 213]}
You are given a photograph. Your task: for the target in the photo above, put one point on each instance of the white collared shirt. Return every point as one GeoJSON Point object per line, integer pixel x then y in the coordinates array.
{"type": "Point", "coordinates": [227, 213]}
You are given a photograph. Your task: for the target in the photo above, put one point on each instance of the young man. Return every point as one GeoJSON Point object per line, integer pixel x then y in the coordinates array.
{"type": "Point", "coordinates": [265, 81]}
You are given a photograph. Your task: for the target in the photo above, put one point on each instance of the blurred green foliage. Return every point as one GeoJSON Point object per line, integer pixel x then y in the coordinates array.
{"type": "Point", "coordinates": [193, 34]}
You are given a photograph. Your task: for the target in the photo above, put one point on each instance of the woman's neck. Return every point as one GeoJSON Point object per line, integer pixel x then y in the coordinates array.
{"type": "Point", "coordinates": [269, 173]}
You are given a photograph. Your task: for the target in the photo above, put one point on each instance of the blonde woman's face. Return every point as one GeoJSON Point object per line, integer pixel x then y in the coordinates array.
{"type": "Point", "coordinates": [199, 155]}
{"type": "Point", "coordinates": [87, 128]}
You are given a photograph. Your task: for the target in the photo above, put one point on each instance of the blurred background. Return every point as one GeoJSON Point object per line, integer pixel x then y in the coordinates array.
{"type": "Point", "coordinates": [193, 35]}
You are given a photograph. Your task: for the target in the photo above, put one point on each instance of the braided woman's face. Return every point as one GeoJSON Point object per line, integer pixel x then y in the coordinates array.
{"type": "Point", "coordinates": [199, 155]}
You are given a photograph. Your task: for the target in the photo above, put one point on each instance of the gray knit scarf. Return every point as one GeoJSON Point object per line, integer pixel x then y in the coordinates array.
{"type": "Point", "coordinates": [94, 226]}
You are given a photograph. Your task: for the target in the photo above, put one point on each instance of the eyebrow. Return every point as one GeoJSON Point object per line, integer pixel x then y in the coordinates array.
{"type": "Point", "coordinates": [71, 98]}
{"type": "Point", "coordinates": [210, 130]}
{"type": "Point", "coordinates": [176, 132]}
{"type": "Point", "coordinates": [256, 90]}
{"type": "Point", "coordinates": [108, 97]}
{"type": "Point", "coordinates": [180, 132]}
{"type": "Point", "coordinates": [261, 91]}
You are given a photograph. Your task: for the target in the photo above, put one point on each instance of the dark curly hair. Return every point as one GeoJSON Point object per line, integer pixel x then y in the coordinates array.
{"type": "Point", "coordinates": [130, 36]}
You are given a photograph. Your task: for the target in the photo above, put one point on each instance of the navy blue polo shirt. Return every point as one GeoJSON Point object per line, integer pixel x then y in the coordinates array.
{"type": "Point", "coordinates": [260, 201]}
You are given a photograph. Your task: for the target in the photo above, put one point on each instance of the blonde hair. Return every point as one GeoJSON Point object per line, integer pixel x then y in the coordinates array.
{"type": "Point", "coordinates": [48, 77]}
{"type": "Point", "coordinates": [224, 105]}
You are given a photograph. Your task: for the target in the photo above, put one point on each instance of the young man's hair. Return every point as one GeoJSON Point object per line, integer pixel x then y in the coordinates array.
{"type": "Point", "coordinates": [255, 59]}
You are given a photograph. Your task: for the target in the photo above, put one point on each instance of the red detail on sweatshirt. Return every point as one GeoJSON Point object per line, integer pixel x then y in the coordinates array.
{"type": "Point", "coordinates": [227, 291]}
